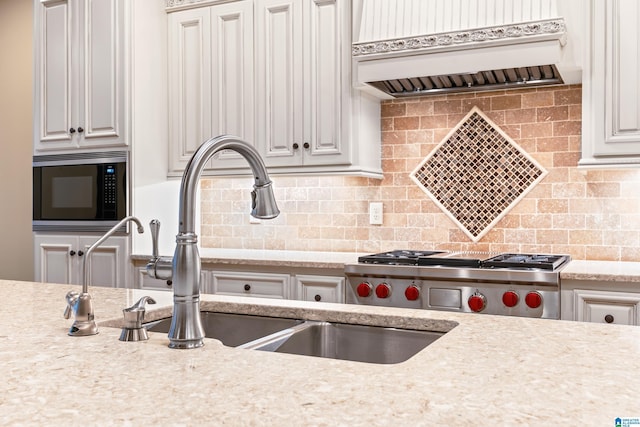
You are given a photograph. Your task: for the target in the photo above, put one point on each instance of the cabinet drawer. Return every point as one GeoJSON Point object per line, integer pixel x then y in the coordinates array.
{"type": "Point", "coordinates": [143, 281]}
{"type": "Point", "coordinates": [264, 285]}
{"type": "Point", "coordinates": [607, 307]}
{"type": "Point", "coordinates": [320, 288]}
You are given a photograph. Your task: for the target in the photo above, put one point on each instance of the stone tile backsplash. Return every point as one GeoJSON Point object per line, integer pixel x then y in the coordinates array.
{"type": "Point", "coordinates": [590, 214]}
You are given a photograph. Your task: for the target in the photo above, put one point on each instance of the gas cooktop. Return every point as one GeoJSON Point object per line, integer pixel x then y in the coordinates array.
{"type": "Point", "coordinates": [510, 284]}
{"type": "Point", "coordinates": [467, 259]}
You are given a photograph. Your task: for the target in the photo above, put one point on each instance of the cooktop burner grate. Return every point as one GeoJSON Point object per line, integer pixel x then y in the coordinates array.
{"type": "Point", "coordinates": [396, 257]}
{"type": "Point", "coordinates": [529, 261]}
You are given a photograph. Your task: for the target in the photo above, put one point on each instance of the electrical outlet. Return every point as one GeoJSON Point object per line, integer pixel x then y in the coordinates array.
{"type": "Point", "coordinates": [375, 213]}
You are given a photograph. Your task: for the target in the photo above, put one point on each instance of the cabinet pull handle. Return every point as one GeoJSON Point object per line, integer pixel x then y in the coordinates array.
{"type": "Point", "coordinates": [609, 318]}
{"type": "Point", "coordinates": [317, 298]}
{"type": "Point", "coordinates": [72, 130]}
{"type": "Point", "coordinates": [247, 287]}
{"type": "Point", "coordinates": [306, 145]}
{"type": "Point", "coordinates": [80, 253]}
{"type": "Point", "coordinates": [80, 130]}
{"type": "Point", "coordinates": [72, 253]}
{"type": "Point", "coordinates": [295, 146]}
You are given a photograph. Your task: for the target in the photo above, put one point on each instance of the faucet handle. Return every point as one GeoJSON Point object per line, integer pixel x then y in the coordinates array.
{"type": "Point", "coordinates": [154, 225]}
{"type": "Point", "coordinates": [72, 298]}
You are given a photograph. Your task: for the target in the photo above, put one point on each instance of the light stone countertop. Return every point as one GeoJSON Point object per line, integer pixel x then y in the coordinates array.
{"type": "Point", "coordinates": [272, 258]}
{"type": "Point", "coordinates": [602, 271]}
{"type": "Point", "coordinates": [487, 371]}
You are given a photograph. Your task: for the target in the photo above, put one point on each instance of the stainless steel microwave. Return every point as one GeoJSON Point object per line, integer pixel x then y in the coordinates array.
{"type": "Point", "coordinates": [79, 191]}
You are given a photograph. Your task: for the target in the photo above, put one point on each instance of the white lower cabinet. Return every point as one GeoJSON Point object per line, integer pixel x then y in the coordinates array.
{"type": "Point", "coordinates": [606, 307]}
{"type": "Point", "coordinates": [264, 285]}
{"type": "Point", "coordinates": [319, 288]}
{"type": "Point", "coordinates": [59, 258]}
{"type": "Point", "coordinates": [253, 282]}
{"type": "Point", "coordinates": [143, 281]}
{"type": "Point", "coordinates": [275, 285]}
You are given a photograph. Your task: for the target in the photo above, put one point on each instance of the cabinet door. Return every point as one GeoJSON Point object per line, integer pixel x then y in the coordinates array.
{"type": "Point", "coordinates": [327, 91]}
{"type": "Point", "coordinates": [264, 285]}
{"type": "Point", "coordinates": [211, 81]}
{"type": "Point", "coordinates": [607, 307]}
{"type": "Point", "coordinates": [99, 110]}
{"type": "Point", "coordinates": [279, 81]}
{"type": "Point", "coordinates": [56, 259]}
{"type": "Point", "coordinates": [79, 74]}
{"type": "Point", "coordinates": [232, 76]}
{"type": "Point", "coordinates": [319, 288]}
{"type": "Point", "coordinates": [108, 262]}
{"type": "Point", "coordinates": [53, 76]}
{"type": "Point", "coordinates": [189, 84]}
{"type": "Point", "coordinates": [611, 85]}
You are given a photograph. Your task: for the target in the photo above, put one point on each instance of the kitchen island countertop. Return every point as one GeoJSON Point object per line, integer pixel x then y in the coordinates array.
{"type": "Point", "coordinates": [488, 370]}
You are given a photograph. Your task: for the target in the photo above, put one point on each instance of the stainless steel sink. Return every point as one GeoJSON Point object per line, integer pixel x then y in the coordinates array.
{"type": "Point", "coordinates": [360, 343]}
{"type": "Point", "coordinates": [232, 329]}
{"type": "Point", "coordinates": [371, 344]}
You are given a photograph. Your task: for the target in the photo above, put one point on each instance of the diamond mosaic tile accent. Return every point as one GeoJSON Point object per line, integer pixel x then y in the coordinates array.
{"type": "Point", "coordinates": [477, 174]}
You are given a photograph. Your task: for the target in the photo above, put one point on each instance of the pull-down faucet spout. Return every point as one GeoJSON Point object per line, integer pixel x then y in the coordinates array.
{"type": "Point", "coordinates": [186, 327]}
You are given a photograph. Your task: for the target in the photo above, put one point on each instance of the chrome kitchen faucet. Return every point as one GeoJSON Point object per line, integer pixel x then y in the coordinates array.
{"type": "Point", "coordinates": [186, 327]}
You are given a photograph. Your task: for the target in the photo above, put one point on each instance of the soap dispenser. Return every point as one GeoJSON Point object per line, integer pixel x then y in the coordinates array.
{"type": "Point", "coordinates": [133, 319]}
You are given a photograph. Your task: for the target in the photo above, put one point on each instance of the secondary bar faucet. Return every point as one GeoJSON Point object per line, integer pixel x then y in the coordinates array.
{"type": "Point", "coordinates": [81, 304]}
{"type": "Point", "coordinates": [186, 326]}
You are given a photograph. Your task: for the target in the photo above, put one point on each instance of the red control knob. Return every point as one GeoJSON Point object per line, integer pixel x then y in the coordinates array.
{"type": "Point", "coordinates": [510, 299]}
{"type": "Point", "coordinates": [477, 302]}
{"type": "Point", "coordinates": [364, 289]}
{"type": "Point", "coordinates": [533, 300]}
{"type": "Point", "coordinates": [383, 290]}
{"type": "Point", "coordinates": [412, 293]}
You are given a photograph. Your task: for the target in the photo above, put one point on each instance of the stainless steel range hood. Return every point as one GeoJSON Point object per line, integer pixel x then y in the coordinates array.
{"type": "Point", "coordinates": [421, 47]}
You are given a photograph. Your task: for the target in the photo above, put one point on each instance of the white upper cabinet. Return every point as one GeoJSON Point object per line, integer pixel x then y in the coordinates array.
{"type": "Point", "coordinates": [280, 80]}
{"type": "Point", "coordinates": [277, 73]}
{"type": "Point", "coordinates": [301, 82]}
{"type": "Point", "coordinates": [79, 74]}
{"type": "Point", "coordinates": [210, 79]}
{"type": "Point", "coordinates": [611, 86]}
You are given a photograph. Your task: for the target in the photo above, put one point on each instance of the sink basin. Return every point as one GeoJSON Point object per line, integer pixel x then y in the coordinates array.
{"type": "Point", "coordinates": [371, 344]}
{"type": "Point", "coordinates": [232, 329]}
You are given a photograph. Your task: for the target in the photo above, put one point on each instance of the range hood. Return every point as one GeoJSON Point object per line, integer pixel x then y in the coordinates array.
{"type": "Point", "coordinates": [422, 47]}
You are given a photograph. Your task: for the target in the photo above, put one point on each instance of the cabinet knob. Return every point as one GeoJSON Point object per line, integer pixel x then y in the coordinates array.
{"type": "Point", "coordinates": [609, 318]}
{"type": "Point", "coordinates": [169, 282]}
{"type": "Point", "coordinates": [72, 130]}
{"type": "Point", "coordinates": [306, 145]}
{"type": "Point", "coordinates": [80, 253]}
{"type": "Point", "coordinates": [295, 146]}
{"type": "Point", "coordinates": [72, 253]}
{"type": "Point", "coordinates": [80, 130]}
{"type": "Point", "coordinates": [247, 287]}
{"type": "Point", "coordinates": [317, 298]}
